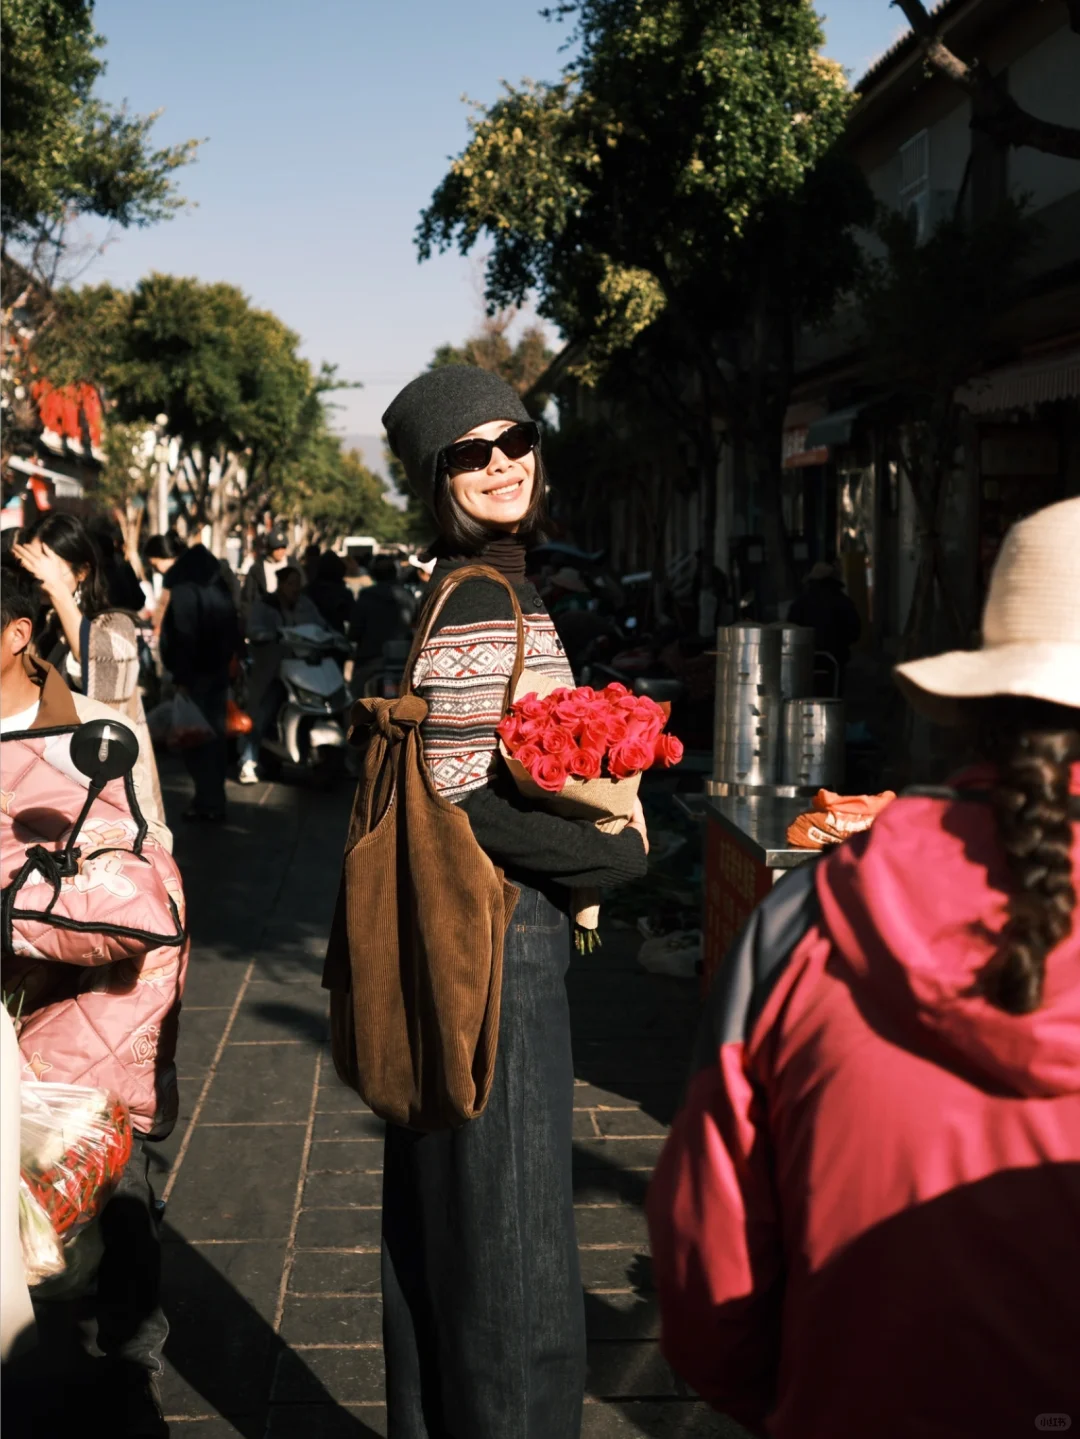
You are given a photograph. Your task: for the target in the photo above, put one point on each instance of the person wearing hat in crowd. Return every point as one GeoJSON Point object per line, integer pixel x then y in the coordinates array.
{"type": "Point", "coordinates": [825, 608]}
{"type": "Point", "coordinates": [261, 578]}
{"type": "Point", "coordinates": [865, 1219]}
{"type": "Point", "coordinates": [483, 1320]}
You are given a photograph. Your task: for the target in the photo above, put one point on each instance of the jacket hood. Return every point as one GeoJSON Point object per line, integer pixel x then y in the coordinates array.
{"type": "Point", "coordinates": [916, 907]}
{"type": "Point", "coordinates": [195, 566]}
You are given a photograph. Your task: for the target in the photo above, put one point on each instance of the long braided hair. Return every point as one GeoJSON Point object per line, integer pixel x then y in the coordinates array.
{"type": "Point", "coordinates": [1033, 746]}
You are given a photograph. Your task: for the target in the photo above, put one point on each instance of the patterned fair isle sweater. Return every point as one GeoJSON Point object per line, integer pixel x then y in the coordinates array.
{"type": "Point", "coordinates": [462, 672]}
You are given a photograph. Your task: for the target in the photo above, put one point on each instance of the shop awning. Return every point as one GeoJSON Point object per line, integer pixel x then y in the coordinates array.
{"type": "Point", "coordinates": [1023, 386]}
{"type": "Point", "coordinates": [834, 429]}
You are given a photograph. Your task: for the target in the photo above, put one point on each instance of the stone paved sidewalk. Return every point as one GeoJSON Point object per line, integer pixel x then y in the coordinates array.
{"type": "Point", "coordinates": [273, 1174]}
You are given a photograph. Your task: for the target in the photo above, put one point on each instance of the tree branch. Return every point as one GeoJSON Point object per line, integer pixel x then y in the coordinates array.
{"type": "Point", "coordinates": [993, 109]}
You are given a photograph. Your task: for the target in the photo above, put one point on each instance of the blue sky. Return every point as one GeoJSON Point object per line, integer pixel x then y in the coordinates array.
{"type": "Point", "coordinates": [329, 123]}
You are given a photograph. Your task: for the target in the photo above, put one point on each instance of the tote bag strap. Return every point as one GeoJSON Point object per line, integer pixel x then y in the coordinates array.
{"type": "Point", "coordinates": [434, 608]}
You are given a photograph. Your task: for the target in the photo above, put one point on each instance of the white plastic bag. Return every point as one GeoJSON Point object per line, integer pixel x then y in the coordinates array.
{"type": "Point", "coordinates": [189, 727]}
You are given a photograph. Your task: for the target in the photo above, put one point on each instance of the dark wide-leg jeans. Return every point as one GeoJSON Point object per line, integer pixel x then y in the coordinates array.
{"type": "Point", "coordinates": [483, 1318]}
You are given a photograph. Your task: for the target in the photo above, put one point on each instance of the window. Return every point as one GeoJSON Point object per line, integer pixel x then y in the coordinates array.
{"type": "Point", "coordinates": [915, 181]}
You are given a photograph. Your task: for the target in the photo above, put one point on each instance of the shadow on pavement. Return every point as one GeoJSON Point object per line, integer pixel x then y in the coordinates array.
{"type": "Point", "coordinates": [225, 1351]}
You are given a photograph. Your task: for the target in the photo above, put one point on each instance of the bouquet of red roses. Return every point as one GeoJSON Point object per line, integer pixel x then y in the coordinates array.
{"type": "Point", "coordinates": [582, 751]}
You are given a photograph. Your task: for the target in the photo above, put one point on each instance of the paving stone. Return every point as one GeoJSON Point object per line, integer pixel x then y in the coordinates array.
{"type": "Point", "coordinates": [616, 1269]}
{"type": "Point", "coordinates": [273, 1010]}
{"type": "Point", "coordinates": [261, 1083]}
{"type": "Point", "coordinates": [323, 1191]}
{"type": "Point", "coordinates": [627, 1122]}
{"type": "Point", "coordinates": [356, 1124]}
{"type": "Point", "coordinates": [617, 1153]}
{"type": "Point", "coordinates": [345, 1156]}
{"type": "Point", "coordinates": [220, 1301]}
{"type": "Point", "coordinates": [594, 1096]}
{"type": "Point", "coordinates": [315, 1272]}
{"type": "Point", "coordinates": [626, 1368]}
{"type": "Point", "coordinates": [304, 1421]}
{"type": "Point", "coordinates": [339, 1229]}
{"type": "Point", "coordinates": [348, 1376]}
{"type": "Point", "coordinates": [238, 1183]}
{"type": "Point", "coordinates": [337, 1098]}
{"type": "Point", "coordinates": [600, 1186]}
{"type": "Point", "coordinates": [247, 1426]}
{"type": "Point", "coordinates": [213, 978]}
{"type": "Point", "coordinates": [621, 1316]}
{"type": "Point", "coordinates": [332, 1321]}
{"type": "Point", "coordinates": [198, 1038]}
{"type": "Point", "coordinates": [583, 1126]}
{"type": "Point", "coordinates": [689, 1419]}
{"type": "Point", "coordinates": [621, 1224]}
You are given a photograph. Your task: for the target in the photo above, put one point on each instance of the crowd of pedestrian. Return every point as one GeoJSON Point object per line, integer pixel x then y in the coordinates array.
{"type": "Point", "coordinates": [864, 1221]}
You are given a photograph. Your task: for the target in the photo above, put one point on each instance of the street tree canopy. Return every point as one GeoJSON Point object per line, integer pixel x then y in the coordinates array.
{"type": "Point", "coordinates": [642, 168]}
{"type": "Point", "coordinates": [66, 151]}
{"type": "Point", "coordinates": [247, 410]}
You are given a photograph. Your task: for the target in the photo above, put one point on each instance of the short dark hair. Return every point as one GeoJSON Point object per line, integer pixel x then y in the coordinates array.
{"type": "Point", "coordinates": [289, 572]}
{"type": "Point", "coordinates": [20, 593]}
{"type": "Point", "coordinates": [164, 547]}
{"type": "Point", "coordinates": [331, 567]}
{"type": "Point", "coordinates": [467, 536]}
{"type": "Point", "coordinates": [384, 567]}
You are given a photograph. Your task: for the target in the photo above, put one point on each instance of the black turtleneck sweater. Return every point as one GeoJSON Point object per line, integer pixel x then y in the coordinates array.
{"type": "Point", "coordinates": [462, 672]}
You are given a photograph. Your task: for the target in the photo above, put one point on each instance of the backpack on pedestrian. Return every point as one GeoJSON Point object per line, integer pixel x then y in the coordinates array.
{"type": "Point", "coordinates": [414, 962]}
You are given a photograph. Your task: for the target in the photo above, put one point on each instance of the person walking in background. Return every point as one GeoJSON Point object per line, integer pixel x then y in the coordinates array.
{"type": "Point", "coordinates": [483, 1322]}
{"type": "Point", "coordinates": [329, 593]}
{"type": "Point", "coordinates": [95, 648]}
{"type": "Point", "coordinates": [261, 578]}
{"type": "Point", "coordinates": [382, 613]}
{"type": "Point", "coordinates": [269, 615]}
{"type": "Point", "coordinates": [200, 637]}
{"type": "Point", "coordinates": [865, 1219]}
{"type": "Point", "coordinates": [825, 608]}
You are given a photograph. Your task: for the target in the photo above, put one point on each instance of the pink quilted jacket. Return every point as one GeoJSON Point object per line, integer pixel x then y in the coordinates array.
{"type": "Point", "coordinates": [96, 960]}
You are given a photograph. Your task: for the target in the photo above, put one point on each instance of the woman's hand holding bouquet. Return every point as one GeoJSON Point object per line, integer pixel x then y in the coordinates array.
{"type": "Point", "coordinates": [583, 751]}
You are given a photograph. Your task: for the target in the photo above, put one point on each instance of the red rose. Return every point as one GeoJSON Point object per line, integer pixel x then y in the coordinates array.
{"type": "Point", "coordinates": [630, 757]}
{"type": "Point", "coordinates": [531, 707]}
{"type": "Point", "coordinates": [573, 712]}
{"type": "Point", "coordinates": [668, 750]}
{"type": "Point", "coordinates": [549, 772]}
{"type": "Point", "coordinates": [532, 729]}
{"type": "Point", "coordinates": [585, 764]}
{"type": "Point", "coordinates": [625, 704]}
{"type": "Point", "coordinates": [557, 740]}
{"type": "Point", "coordinates": [615, 690]}
{"type": "Point", "coordinates": [509, 731]}
{"type": "Point", "coordinates": [528, 754]}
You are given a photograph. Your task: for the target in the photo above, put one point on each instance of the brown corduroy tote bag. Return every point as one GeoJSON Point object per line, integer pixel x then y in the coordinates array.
{"type": "Point", "coordinates": [414, 963]}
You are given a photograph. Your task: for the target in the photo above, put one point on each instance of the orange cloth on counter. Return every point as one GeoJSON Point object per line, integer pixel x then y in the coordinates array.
{"type": "Point", "coordinates": [833, 818]}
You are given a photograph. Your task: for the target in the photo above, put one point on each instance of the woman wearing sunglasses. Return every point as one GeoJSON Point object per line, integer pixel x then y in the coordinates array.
{"type": "Point", "coordinates": [483, 1323]}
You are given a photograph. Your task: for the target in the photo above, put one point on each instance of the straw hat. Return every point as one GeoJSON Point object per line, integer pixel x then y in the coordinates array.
{"type": "Point", "coordinates": [1031, 625]}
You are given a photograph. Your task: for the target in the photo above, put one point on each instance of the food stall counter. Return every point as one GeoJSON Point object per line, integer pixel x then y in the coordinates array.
{"type": "Point", "coordinates": [746, 852]}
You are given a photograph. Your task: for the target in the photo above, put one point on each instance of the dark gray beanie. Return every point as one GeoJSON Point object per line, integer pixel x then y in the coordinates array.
{"type": "Point", "coordinates": [437, 408]}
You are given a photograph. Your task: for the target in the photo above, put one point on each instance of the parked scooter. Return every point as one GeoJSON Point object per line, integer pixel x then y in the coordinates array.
{"type": "Point", "coordinates": [311, 721]}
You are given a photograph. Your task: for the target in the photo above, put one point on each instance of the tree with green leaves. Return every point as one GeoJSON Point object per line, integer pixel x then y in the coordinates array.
{"type": "Point", "coordinates": [521, 364]}
{"type": "Point", "coordinates": [237, 396]}
{"type": "Point", "coordinates": [675, 202]}
{"type": "Point", "coordinates": [66, 152]}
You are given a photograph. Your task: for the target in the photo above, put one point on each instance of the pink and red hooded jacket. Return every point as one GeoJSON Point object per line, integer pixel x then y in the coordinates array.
{"type": "Point", "coordinates": [866, 1220]}
{"type": "Point", "coordinates": [96, 960]}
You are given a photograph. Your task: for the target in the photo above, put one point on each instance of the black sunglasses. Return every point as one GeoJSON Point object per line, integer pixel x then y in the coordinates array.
{"type": "Point", "coordinates": [515, 443]}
